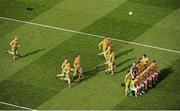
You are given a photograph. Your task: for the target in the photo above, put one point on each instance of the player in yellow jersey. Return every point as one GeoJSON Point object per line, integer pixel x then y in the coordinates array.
{"type": "Point", "coordinates": [127, 82]}
{"type": "Point", "coordinates": [14, 47]}
{"type": "Point", "coordinates": [104, 46]}
{"type": "Point", "coordinates": [77, 67]}
{"type": "Point", "coordinates": [108, 52]}
{"type": "Point", "coordinates": [63, 66]}
{"type": "Point", "coordinates": [111, 63]}
{"type": "Point", "coordinates": [67, 74]}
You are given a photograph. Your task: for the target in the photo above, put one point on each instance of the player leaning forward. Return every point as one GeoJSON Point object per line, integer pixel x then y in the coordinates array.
{"type": "Point", "coordinates": [14, 48]}
{"type": "Point", "coordinates": [66, 72]}
{"type": "Point", "coordinates": [63, 68]}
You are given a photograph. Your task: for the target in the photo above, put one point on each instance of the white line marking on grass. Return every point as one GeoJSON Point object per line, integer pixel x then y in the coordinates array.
{"type": "Point", "coordinates": [88, 34]}
{"type": "Point", "coordinates": [8, 104]}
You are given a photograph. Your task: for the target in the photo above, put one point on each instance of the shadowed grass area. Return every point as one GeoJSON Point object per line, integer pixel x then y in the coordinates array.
{"type": "Point", "coordinates": [17, 9]}
{"type": "Point", "coordinates": [7, 107]}
{"type": "Point", "coordinates": [31, 53]}
{"type": "Point", "coordinates": [118, 24]}
{"type": "Point", "coordinates": [169, 4]}
{"type": "Point", "coordinates": [24, 94]}
{"type": "Point", "coordinates": [35, 85]}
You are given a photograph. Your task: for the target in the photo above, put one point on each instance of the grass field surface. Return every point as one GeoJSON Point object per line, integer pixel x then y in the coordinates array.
{"type": "Point", "coordinates": [31, 80]}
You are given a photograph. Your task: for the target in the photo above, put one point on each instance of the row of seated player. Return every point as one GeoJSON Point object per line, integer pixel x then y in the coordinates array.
{"type": "Point", "coordinates": [137, 83]}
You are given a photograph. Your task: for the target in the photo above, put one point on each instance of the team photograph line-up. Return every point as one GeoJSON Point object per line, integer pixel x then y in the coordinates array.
{"type": "Point", "coordinates": [89, 55]}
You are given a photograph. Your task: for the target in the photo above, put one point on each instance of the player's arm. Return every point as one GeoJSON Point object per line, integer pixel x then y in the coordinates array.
{"type": "Point", "coordinates": [125, 79]}
{"type": "Point", "coordinates": [75, 62]}
{"type": "Point", "coordinates": [100, 44]}
{"type": "Point", "coordinates": [107, 50]}
{"type": "Point", "coordinates": [111, 58]}
{"type": "Point", "coordinates": [72, 69]}
{"type": "Point", "coordinates": [11, 43]}
{"type": "Point", "coordinates": [63, 65]}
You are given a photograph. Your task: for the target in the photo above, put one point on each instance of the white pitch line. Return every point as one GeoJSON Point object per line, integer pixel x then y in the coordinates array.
{"type": "Point", "coordinates": [8, 104]}
{"type": "Point", "coordinates": [88, 34]}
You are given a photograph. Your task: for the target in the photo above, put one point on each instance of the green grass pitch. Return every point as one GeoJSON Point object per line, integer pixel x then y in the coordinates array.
{"type": "Point", "coordinates": [30, 81]}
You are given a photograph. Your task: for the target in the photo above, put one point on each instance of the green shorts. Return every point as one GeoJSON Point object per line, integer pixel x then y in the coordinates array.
{"type": "Point", "coordinates": [78, 69]}
{"type": "Point", "coordinates": [14, 49]}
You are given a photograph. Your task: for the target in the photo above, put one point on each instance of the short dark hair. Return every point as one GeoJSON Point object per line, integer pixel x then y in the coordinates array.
{"type": "Point", "coordinates": [78, 54]}
{"type": "Point", "coordinates": [154, 61]}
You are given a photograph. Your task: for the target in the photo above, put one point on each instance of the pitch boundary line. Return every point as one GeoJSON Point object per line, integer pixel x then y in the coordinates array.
{"type": "Point", "coordinates": [8, 104]}
{"type": "Point", "coordinates": [89, 34]}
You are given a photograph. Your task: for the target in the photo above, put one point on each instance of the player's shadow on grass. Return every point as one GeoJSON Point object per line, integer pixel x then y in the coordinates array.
{"type": "Point", "coordinates": [124, 69]}
{"type": "Point", "coordinates": [90, 74]}
{"type": "Point", "coordinates": [165, 73]}
{"type": "Point", "coordinates": [31, 53]}
{"type": "Point", "coordinates": [124, 52]}
{"type": "Point", "coordinates": [93, 72]}
{"type": "Point", "coordinates": [124, 62]}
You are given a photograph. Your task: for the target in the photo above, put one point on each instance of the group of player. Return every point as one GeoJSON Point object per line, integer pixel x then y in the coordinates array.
{"type": "Point", "coordinates": [69, 74]}
{"type": "Point", "coordinates": [141, 76]}
{"type": "Point", "coordinates": [109, 54]}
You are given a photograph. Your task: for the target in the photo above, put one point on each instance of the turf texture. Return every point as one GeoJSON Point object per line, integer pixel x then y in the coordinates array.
{"type": "Point", "coordinates": [30, 81]}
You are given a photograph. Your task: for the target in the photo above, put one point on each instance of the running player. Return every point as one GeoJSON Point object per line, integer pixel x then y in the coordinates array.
{"type": "Point", "coordinates": [108, 52]}
{"type": "Point", "coordinates": [104, 46]}
{"type": "Point", "coordinates": [67, 74]}
{"type": "Point", "coordinates": [14, 47]}
{"type": "Point", "coordinates": [77, 67]}
{"type": "Point", "coordinates": [63, 67]}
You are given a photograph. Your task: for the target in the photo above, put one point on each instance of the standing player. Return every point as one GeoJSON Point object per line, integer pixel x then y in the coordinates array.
{"type": "Point", "coordinates": [14, 47]}
{"type": "Point", "coordinates": [77, 67]}
{"type": "Point", "coordinates": [104, 46]}
{"type": "Point", "coordinates": [111, 63]}
{"type": "Point", "coordinates": [144, 60]}
{"type": "Point", "coordinates": [127, 82]}
{"type": "Point", "coordinates": [133, 70]}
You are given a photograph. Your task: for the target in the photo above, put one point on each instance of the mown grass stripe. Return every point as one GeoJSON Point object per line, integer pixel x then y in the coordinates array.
{"type": "Point", "coordinates": [17, 106]}
{"type": "Point", "coordinates": [89, 34]}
